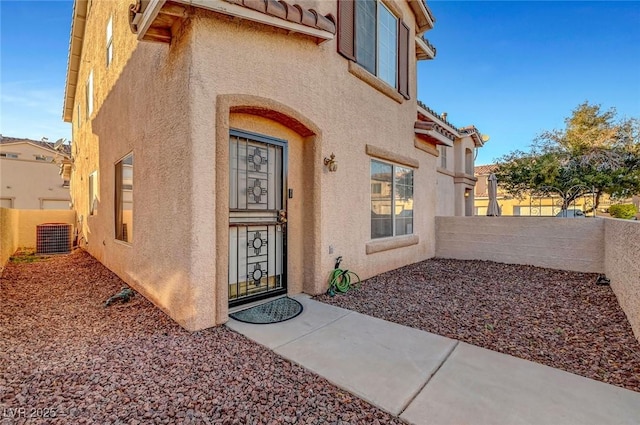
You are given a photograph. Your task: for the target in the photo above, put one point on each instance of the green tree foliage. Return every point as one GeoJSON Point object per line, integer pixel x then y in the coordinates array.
{"type": "Point", "coordinates": [595, 151]}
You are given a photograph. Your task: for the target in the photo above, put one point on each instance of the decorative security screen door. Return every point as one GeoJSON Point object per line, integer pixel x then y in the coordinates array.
{"type": "Point", "coordinates": [257, 217]}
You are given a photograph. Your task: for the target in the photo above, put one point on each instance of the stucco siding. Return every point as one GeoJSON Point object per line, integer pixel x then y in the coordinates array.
{"type": "Point", "coordinates": [622, 266]}
{"type": "Point", "coordinates": [18, 228]}
{"type": "Point", "coordinates": [446, 195]}
{"type": "Point", "coordinates": [9, 220]}
{"type": "Point", "coordinates": [173, 105]}
{"type": "Point", "coordinates": [568, 244]}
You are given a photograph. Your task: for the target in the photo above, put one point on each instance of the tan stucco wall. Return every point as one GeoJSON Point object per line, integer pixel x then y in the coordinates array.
{"type": "Point", "coordinates": [9, 219]}
{"type": "Point", "coordinates": [30, 182]}
{"type": "Point", "coordinates": [568, 244]}
{"type": "Point", "coordinates": [622, 266]}
{"type": "Point", "coordinates": [446, 204]}
{"type": "Point", "coordinates": [18, 227]}
{"type": "Point", "coordinates": [173, 105]}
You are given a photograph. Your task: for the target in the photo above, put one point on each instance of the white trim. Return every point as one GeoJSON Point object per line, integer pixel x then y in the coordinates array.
{"type": "Point", "coordinates": [231, 9]}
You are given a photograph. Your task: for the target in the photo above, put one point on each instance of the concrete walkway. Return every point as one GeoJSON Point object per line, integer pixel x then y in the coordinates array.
{"type": "Point", "coordinates": [429, 379]}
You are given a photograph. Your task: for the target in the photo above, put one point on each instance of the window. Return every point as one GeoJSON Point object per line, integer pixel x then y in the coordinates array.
{"type": "Point", "coordinates": [443, 156]}
{"type": "Point", "coordinates": [93, 193]}
{"type": "Point", "coordinates": [109, 41]}
{"type": "Point", "coordinates": [9, 155]}
{"type": "Point", "coordinates": [89, 95]}
{"type": "Point", "coordinates": [78, 117]}
{"type": "Point", "coordinates": [372, 36]}
{"type": "Point", "coordinates": [44, 158]}
{"type": "Point", "coordinates": [124, 199]}
{"type": "Point", "coordinates": [392, 206]}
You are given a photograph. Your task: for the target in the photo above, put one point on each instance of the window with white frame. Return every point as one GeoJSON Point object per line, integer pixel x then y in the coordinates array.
{"type": "Point", "coordinates": [89, 95]}
{"type": "Point", "coordinates": [109, 41]}
{"type": "Point", "coordinates": [392, 205]}
{"type": "Point", "coordinates": [9, 155]}
{"type": "Point", "coordinates": [93, 193]}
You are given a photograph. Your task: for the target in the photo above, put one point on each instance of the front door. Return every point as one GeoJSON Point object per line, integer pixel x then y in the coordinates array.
{"type": "Point", "coordinates": [257, 217]}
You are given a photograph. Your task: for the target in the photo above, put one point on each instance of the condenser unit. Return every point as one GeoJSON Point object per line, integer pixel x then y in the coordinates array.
{"type": "Point", "coordinates": [53, 238]}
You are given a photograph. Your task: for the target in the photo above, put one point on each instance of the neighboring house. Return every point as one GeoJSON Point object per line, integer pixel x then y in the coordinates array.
{"type": "Point", "coordinates": [30, 175]}
{"type": "Point", "coordinates": [455, 165]}
{"type": "Point", "coordinates": [204, 132]}
{"type": "Point", "coordinates": [531, 204]}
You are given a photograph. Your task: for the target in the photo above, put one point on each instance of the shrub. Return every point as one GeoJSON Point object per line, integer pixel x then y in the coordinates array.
{"type": "Point", "coordinates": [625, 211]}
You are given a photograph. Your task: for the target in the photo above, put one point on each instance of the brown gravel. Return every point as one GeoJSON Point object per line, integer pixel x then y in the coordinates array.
{"type": "Point", "coordinates": [60, 349]}
{"type": "Point", "coordinates": [557, 318]}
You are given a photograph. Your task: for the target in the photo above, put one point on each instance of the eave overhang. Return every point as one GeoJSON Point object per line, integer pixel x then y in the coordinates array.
{"type": "Point", "coordinates": [424, 17]}
{"type": "Point", "coordinates": [78, 22]}
{"type": "Point", "coordinates": [153, 21]}
{"type": "Point", "coordinates": [474, 133]}
{"type": "Point", "coordinates": [434, 133]}
{"type": "Point", "coordinates": [424, 49]}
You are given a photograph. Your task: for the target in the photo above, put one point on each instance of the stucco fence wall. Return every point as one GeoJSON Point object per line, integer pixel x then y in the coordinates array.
{"type": "Point", "coordinates": [18, 228]}
{"type": "Point", "coordinates": [600, 245]}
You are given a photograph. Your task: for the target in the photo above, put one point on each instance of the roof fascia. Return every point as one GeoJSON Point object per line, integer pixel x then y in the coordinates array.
{"type": "Point", "coordinates": [78, 24]}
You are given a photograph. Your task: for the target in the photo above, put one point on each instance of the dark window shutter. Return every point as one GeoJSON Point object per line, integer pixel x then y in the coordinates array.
{"type": "Point", "coordinates": [403, 59]}
{"type": "Point", "coordinates": [346, 29]}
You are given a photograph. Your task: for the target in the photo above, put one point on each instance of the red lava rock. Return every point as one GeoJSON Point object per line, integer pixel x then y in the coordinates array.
{"type": "Point", "coordinates": [60, 348]}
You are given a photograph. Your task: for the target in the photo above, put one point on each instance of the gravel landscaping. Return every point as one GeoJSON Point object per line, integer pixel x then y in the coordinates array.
{"type": "Point", "coordinates": [557, 318]}
{"type": "Point", "coordinates": [63, 354]}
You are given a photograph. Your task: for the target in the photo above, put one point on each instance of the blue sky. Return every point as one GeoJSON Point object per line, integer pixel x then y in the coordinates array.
{"type": "Point", "coordinates": [512, 68]}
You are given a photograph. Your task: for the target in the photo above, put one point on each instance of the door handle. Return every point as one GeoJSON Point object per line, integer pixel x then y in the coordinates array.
{"type": "Point", "coordinates": [282, 216]}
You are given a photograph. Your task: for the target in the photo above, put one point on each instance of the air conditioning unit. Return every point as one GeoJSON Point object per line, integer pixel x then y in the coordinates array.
{"type": "Point", "coordinates": [53, 238]}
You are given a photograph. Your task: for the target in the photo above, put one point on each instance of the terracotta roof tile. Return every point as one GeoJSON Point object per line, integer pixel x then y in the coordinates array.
{"type": "Point", "coordinates": [485, 170]}
{"type": "Point", "coordinates": [292, 13]}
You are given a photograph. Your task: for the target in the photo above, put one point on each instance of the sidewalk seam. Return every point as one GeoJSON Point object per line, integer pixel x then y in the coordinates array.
{"type": "Point", "coordinates": [422, 387]}
{"type": "Point", "coordinates": [315, 330]}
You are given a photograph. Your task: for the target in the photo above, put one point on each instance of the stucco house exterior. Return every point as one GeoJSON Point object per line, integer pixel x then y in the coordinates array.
{"type": "Point", "coordinates": [203, 133]}
{"type": "Point", "coordinates": [30, 175]}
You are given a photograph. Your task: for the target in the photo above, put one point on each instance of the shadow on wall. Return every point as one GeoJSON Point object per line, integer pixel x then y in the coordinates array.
{"type": "Point", "coordinates": [150, 118]}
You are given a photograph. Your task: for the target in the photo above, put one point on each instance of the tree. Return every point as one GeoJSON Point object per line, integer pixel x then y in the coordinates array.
{"type": "Point", "coordinates": [595, 151]}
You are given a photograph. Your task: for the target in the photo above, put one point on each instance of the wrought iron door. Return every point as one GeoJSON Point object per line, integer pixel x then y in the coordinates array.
{"type": "Point", "coordinates": [257, 217]}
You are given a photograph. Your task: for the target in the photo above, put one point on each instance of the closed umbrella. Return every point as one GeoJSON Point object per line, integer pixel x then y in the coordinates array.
{"type": "Point", "coordinates": [494, 209]}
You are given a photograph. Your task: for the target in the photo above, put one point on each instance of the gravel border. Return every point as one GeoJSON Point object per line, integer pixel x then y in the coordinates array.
{"type": "Point", "coordinates": [63, 354]}
{"type": "Point", "coordinates": [558, 318]}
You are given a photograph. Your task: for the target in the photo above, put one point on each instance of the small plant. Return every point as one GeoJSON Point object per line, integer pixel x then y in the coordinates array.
{"type": "Point", "coordinates": [625, 211]}
{"type": "Point", "coordinates": [27, 256]}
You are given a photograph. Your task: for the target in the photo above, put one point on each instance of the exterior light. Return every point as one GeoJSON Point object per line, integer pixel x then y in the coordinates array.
{"type": "Point", "coordinates": [331, 163]}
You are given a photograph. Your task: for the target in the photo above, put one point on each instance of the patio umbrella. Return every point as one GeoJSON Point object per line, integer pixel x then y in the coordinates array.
{"type": "Point", "coordinates": [493, 209]}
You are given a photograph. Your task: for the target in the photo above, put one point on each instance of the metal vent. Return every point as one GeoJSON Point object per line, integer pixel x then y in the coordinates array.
{"type": "Point", "coordinates": [53, 238]}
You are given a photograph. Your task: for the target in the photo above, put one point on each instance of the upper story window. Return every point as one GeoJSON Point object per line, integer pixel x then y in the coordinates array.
{"type": "Point", "coordinates": [44, 158]}
{"type": "Point", "coordinates": [377, 41]}
{"type": "Point", "coordinates": [109, 41]}
{"type": "Point", "coordinates": [89, 94]}
{"type": "Point", "coordinates": [370, 34]}
{"type": "Point", "coordinates": [9, 155]}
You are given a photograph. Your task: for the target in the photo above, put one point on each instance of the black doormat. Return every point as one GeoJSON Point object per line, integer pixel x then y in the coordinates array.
{"type": "Point", "coordinates": [275, 311]}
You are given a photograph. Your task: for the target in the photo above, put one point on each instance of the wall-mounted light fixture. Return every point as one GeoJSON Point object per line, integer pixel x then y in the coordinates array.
{"type": "Point", "coordinates": [331, 163]}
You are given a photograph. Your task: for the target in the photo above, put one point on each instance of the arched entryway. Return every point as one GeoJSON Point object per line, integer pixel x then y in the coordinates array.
{"type": "Point", "coordinates": [267, 242]}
